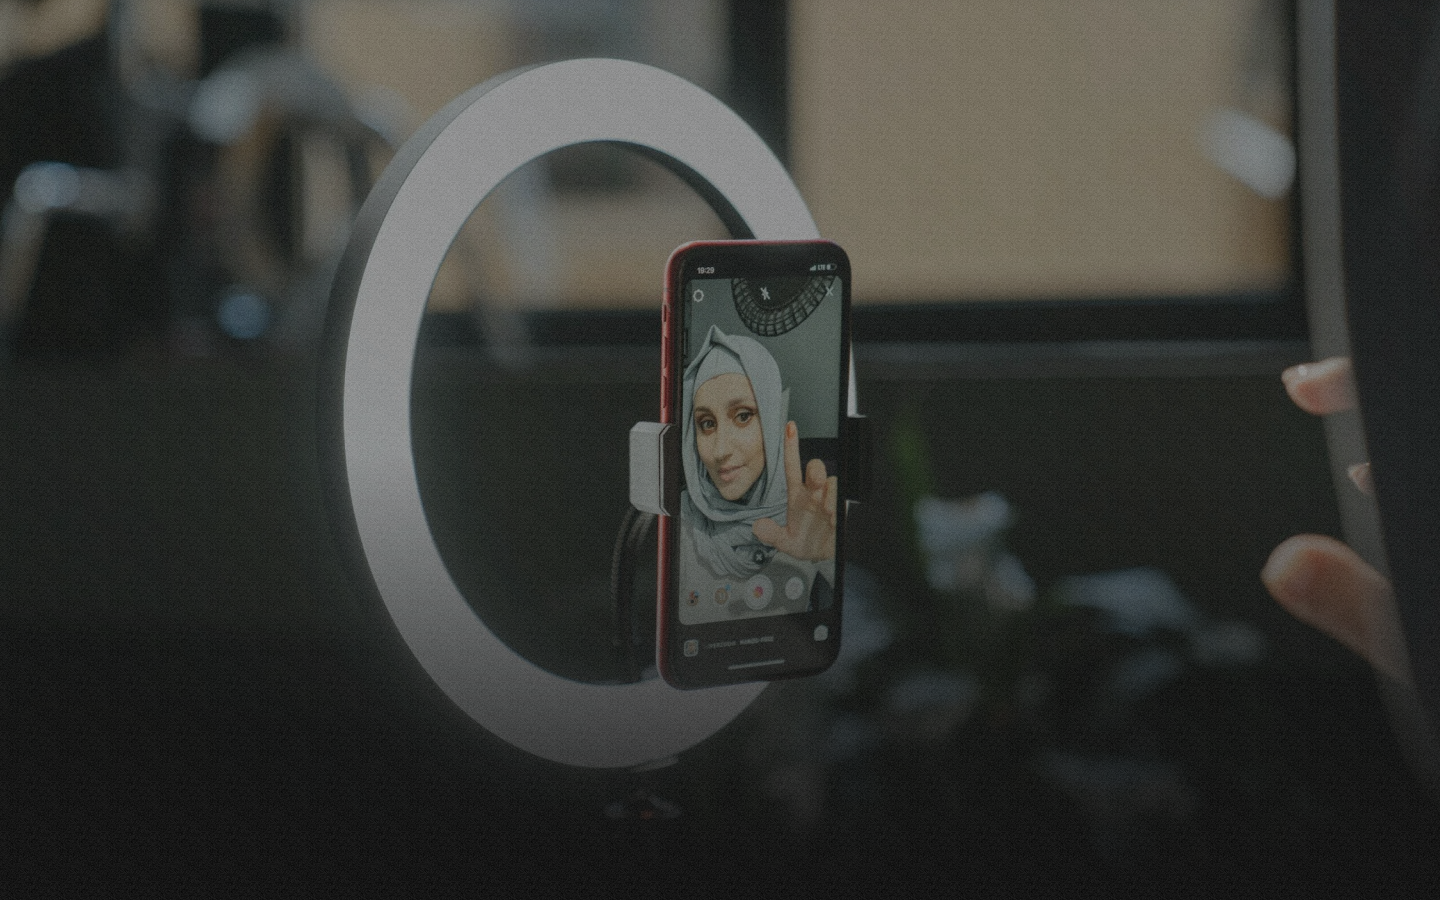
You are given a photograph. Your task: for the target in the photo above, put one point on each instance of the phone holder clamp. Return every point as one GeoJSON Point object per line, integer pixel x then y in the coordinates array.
{"type": "Point", "coordinates": [656, 470]}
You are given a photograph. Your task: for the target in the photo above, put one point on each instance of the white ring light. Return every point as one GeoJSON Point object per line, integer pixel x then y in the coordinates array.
{"type": "Point", "coordinates": [400, 237]}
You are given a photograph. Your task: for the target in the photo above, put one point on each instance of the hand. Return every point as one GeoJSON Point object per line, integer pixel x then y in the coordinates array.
{"type": "Point", "coordinates": [1318, 579]}
{"type": "Point", "coordinates": [809, 531]}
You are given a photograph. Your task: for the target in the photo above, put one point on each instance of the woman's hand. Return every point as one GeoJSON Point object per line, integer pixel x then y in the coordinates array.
{"type": "Point", "coordinates": [809, 531]}
{"type": "Point", "coordinates": [1320, 580]}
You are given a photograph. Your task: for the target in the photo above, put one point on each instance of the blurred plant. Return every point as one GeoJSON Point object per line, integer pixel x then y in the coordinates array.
{"type": "Point", "coordinates": [969, 667]}
{"type": "Point", "coordinates": [908, 464]}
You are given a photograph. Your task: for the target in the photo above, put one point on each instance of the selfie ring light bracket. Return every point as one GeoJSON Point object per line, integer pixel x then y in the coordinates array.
{"type": "Point", "coordinates": [400, 237]}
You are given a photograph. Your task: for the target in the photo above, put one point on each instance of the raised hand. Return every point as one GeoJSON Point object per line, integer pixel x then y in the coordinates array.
{"type": "Point", "coordinates": [811, 501]}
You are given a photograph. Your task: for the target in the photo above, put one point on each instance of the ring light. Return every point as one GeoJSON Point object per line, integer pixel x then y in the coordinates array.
{"type": "Point", "coordinates": [400, 237]}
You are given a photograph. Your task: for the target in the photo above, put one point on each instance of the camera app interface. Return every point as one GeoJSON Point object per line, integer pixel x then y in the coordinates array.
{"type": "Point", "coordinates": [760, 413]}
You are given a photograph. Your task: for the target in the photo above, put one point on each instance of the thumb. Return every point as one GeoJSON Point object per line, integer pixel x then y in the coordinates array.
{"type": "Point", "coordinates": [1324, 583]}
{"type": "Point", "coordinates": [766, 531]}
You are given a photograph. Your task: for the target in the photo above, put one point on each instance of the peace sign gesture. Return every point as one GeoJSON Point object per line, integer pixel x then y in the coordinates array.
{"type": "Point", "coordinates": [809, 531]}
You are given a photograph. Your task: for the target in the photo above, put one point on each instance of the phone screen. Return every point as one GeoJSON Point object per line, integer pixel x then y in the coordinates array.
{"type": "Point", "coordinates": [758, 388]}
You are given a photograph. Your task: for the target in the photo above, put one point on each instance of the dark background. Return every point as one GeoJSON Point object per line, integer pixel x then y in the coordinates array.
{"type": "Point", "coordinates": [195, 685]}
{"type": "Point", "coordinates": [198, 685]}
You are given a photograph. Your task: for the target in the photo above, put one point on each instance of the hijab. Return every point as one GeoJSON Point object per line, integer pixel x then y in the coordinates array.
{"type": "Point", "coordinates": [722, 529]}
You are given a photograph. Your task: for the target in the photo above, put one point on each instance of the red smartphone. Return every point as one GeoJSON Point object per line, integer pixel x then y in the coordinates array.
{"type": "Point", "coordinates": [755, 376]}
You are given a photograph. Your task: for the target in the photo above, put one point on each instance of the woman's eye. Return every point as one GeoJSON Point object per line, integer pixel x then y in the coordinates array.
{"type": "Point", "coordinates": [705, 424]}
{"type": "Point", "coordinates": [744, 416]}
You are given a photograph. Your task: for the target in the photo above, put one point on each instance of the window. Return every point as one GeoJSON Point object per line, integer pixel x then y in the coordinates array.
{"type": "Point", "coordinates": [1051, 171]}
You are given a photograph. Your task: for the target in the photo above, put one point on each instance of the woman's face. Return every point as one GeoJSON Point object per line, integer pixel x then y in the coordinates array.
{"type": "Point", "coordinates": [727, 433]}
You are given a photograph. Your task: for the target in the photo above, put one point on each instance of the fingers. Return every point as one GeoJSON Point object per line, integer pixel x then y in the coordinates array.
{"type": "Point", "coordinates": [1326, 584]}
{"type": "Point", "coordinates": [1327, 387]}
{"type": "Point", "coordinates": [1322, 387]}
{"type": "Point", "coordinates": [794, 477]}
{"type": "Point", "coordinates": [815, 475]}
{"type": "Point", "coordinates": [1320, 580]}
{"type": "Point", "coordinates": [1360, 474]}
{"type": "Point", "coordinates": [810, 490]}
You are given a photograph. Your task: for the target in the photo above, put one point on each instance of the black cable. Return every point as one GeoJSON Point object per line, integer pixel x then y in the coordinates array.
{"type": "Point", "coordinates": [634, 528]}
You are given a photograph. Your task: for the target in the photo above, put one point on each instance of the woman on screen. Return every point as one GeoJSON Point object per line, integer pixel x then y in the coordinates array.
{"type": "Point", "coordinates": [747, 505]}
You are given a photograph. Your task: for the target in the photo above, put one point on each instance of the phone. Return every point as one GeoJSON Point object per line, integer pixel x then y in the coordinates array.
{"type": "Point", "coordinates": [755, 379]}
